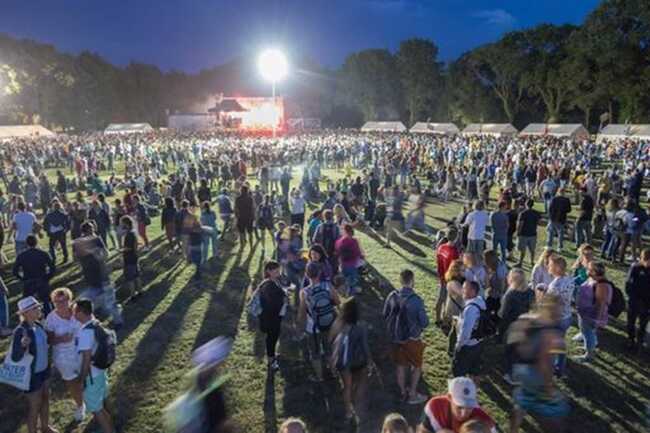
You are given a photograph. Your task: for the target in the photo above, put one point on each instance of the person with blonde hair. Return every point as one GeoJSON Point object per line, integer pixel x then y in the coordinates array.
{"type": "Point", "coordinates": [293, 425]}
{"type": "Point", "coordinates": [540, 276]}
{"type": "Point", "coordinates": [455, 279]}
{"type": "Point", "coordinates": [61, 327]}
{"type": "Point", "coordinates": [395, 423]}
{"type": "Point", "coordinates": [563, 287]}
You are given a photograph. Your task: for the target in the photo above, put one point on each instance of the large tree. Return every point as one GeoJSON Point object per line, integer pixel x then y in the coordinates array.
{"type": "Point", "coordinates": [421, 78]}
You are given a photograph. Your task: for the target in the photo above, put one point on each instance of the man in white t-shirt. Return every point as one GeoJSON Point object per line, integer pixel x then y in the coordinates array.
{"type": "Point", "coordinates": [477, 221]}
{"type": "Point", "coordinates": [23, 226]}
{"type": "Point", "coordinates": [95, 380]}
{"type": "Point", "coordinates": [61, 327]}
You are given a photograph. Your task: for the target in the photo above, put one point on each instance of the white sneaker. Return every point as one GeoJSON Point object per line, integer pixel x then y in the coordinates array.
{"type": "Point", "coordinates": [80, 413]}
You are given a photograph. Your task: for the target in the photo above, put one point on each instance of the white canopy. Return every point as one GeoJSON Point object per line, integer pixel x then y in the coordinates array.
{"type": "Point", "coordinates": [435, 128]}
{"type": "Point", "coordinates": [494, 129]}
{"type": "Point", "coordinates": [383, 126]}
{"type": "Point", "coordinates": [568, 130]}
{"type": "Point", "coordinates": [128, 128]}
{"type": "Point", "coordinates": [24, 131]}
{"type": "Point", "coordinates": [622, 131]}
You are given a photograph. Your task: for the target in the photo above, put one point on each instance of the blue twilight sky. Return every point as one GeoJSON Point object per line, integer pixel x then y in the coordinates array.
{"type": "Point", "coordinates": [193, 34]}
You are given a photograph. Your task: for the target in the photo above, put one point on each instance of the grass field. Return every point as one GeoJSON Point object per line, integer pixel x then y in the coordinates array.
{"type": "Point", "coordinates": [175, 315]}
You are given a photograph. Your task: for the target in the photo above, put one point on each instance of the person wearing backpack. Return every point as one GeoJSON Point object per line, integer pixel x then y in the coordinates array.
{"type": "Point", "coordinates": [350, 256]}
{"type": "Point", "coordinates": [326, 235]}
{"type": "Point", "coordinates": [406, 317]}
{"type": "Point", "coordinates": [467, 351]}
{"type": "Point", "coordinates": [593, 300]}
{"type": "Point", "coordinates": [96, 356]}
{"type": "Point", "coordinates": [637, 287]}
{"type": "Point", "coordinates": [351, 358]}
{"type": "Point", "coordinates": [317, 311]}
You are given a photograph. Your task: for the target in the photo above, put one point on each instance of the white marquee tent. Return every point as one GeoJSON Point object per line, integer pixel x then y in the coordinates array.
{"type": "Point", "coordinates": [383, 126]}
{"type": "Point", "coordinates": [622, 131]}
{"type": "Point", "coordinates": [494, 129]}
{"type": "Point", "coordinates": [128, 128]}
{"type": "Point", "coordinates": [568, 130]}
{"type": "Point", "coordinates": [12, 131]}
{"type": "Point", "coordinates": [435, 128]}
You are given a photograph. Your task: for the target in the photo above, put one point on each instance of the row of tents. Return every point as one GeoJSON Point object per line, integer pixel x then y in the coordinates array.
{"type": "Point", "coordinates": [574, 131]}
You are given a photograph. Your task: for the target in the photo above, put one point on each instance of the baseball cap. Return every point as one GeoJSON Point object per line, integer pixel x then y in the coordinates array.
{"type": "Point", "coordinates": [463, 392]}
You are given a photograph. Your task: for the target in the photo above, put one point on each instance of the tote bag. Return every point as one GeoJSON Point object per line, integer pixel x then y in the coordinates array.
{"type": "Point", "coordinates": [17, 374]}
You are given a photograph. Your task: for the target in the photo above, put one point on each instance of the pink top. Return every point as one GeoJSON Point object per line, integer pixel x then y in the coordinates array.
{"type": "Point", "coordinates": [354, 251]}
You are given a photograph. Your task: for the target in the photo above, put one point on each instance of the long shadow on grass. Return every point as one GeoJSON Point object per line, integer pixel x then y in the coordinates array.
{"type": "Point", "coordinates": [149, 354]}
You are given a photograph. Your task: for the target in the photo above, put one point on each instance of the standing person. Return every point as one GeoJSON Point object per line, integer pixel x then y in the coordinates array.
{"type": "Point", "coordinates": [583, 223]}
{"type": "Point", "coordinates": [142, 220]}
{"type": "Point", "coordinates": [395, 204]}
{"type": "Point", "coordinates": [131, 275]}
{"type": "Point", "coordinates": [35, 268]}
{"type": "Point", "coordinates": [297, 206]}
{"type": "Point", "coordinates": [317, 312]}
{"type": "Point", "coordinates": [95, 379]}
{"type": "Point", "coordinates": [203, 193]}
{"type": "Point", "coordinates": [559, 209]}
{"type": "Point", "coordinates": [225, 211]}
{"type": "Point", "coordinates": [562, 286]}
{"type": "Point", "coordinates": [592, 303]}
{"type": "Point", "coordinates": [24, 224]}
{"type": "Point", "coordinates": [406, 317]}
{"type": "Point", "coordinates": [475, 270]}
{"type": "Point", "coordinates": [477, 222]}
{"type": "Point", "coordinates": [527, 232]}
{"type": "Point", "coordinates": [517, 301]}
{"type": "Point", "coordinates": [101, 198]}
{"type": "Point", "coordinates": [500, 222]}
{"type": "Point", "coordinates": [273, 301]}
{"type": "Point", "coordinates": [351, 358]}
{"type": "Point", "coordinates": [57, 225]}
{"type": "Point", "coordinates": [448, 413]}
{"type": "Point", "coordinates": [92, 255]}
{"type": "Point", "coordinates": [30, 337]}
{"type": "Point", "coordinates": [265, 221]}
{"type": "Point", "coordinates": [467, 351]}
{"type": "Point", "coordinates": [168, 222]}
{"type": "Point", "coordinates": [445, 255]}
{"type": "Point", "coordinates": [537, 343]}
{"type": "Point", "coordinates": [102, 220]}
{"type": "Point", "coordinates": [61, 327]}
{"type": "Point", "coordinates": [211, 231]}
{"type": "Point", "coordinates": [5, 330]}
{"type": "Point", "coordinates": [610, 243]}
{"type": "Point", "coordinates": [637, 287]}
{"type": "Point", "coordinates": [541, 276]}
{"type": "Point", "coordinates": [245, 214]}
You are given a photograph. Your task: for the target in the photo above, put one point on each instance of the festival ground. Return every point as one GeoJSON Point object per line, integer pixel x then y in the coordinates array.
{"type": "Point", "coordinates": [175, 315]}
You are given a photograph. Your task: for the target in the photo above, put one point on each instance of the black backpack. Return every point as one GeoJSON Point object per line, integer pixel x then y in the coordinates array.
{"type": "Point", "coordinates": [106, 352]}
{"type": "Point", "coordinates": [329, 239]}
{"type": "Point", "coordinates": [486, 326]}
{"type": "Point", "coordinates": [617, 306]}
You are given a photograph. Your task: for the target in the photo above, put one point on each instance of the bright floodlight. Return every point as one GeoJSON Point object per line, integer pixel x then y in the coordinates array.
{"type": "Point", "coordinates": [273, 65]}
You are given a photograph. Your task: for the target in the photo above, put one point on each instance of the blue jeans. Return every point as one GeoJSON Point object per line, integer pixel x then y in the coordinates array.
{"type": "Point", "coordinates": [351, 275]}
{"type": "Point", "coordinates": [205, 247]}
{"type": "Point", "coordinates": [588, 331]}
{"type": "Point", "coordinates": [560, 360]}
{"type": "Point", "coordinates": [609, 247]}
{"type": "Point", "coordinates": [501, 244]}
{"type": "Point", "coordinates": [555, 229]}
{"type": "Point", "coordinates": [583, 232]}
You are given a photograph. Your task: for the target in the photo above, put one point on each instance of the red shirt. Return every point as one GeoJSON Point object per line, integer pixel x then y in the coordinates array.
{"type": "Point", "coordinates": [446, 254]}
{"type": "Point", "coordinates": [437, 416]}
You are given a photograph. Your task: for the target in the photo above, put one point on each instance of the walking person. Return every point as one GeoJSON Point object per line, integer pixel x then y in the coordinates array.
{"type": "Point", "coordinates": [57, 225]}
{"type": "Point", "coordinates": [351, 358]}
{"type": "Point", "coordinates": [245, 215]}
{"type": "Point", "coordinates": [445, 255]}
{"type": "Point", "coordinates": [35, 268]}
{"type": "Point", "coordinates": [468, 348]}
{"type": "Point", "coordinates": [592, 303]}
{"type": "Point", "coordinates": [477, 222]}
{"type": "Point", "coordinates": [30, 337]}
{"type": "Point", "coordinates": [131, 273]}
{"type": "Point", "coordinates": [61, 327]}
{"type": "Point", "coordinates": [406, 317]}
{"type": "Point", "coordinates": [168, 222]}
{"type": "Point", "coordinates": [210, 231]}
{"type": "Point", "coordinates": [559, 209]}
{"type": "Point", "coordinates": [562, 286]}
{"type": "Point", "coordinates": [527, 232]}
{"type": "Point", "coordinates": [637, 287]}
{"type": "Point", "coordinates": [265, 221]}
{"type": "Point", "coordinates": [583, 227]}
{"type": "Point", "coordinates": [500, 221]}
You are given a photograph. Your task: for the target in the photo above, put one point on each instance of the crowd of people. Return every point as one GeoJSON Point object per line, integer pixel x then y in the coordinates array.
{"type": "Point", "coordinates": [213, 186]}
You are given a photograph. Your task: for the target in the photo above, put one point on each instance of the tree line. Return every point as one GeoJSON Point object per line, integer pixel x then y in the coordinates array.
{"type": "Point", "coordinates": [546, 73]}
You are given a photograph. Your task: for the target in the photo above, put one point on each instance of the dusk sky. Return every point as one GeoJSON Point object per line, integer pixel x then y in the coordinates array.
{"type": "Point", "coordinates": [193, 34]}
